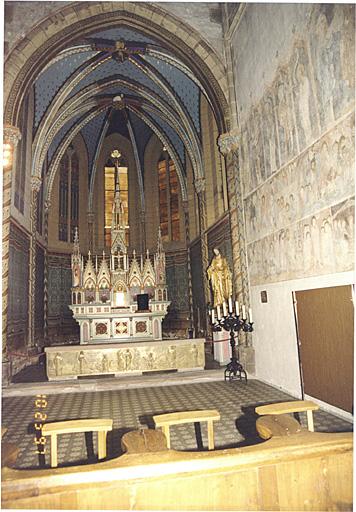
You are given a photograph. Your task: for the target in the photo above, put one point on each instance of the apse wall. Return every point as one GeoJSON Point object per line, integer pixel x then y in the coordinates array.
{"type": "Point", "coordinates": [294, 70]}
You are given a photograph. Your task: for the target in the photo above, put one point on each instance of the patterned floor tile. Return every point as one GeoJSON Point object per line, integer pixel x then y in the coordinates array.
{"type": "Point", "coordinates": [134, 408]}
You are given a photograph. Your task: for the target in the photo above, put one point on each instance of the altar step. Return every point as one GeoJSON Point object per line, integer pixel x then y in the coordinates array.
{"type": "Point", "coordinates": [114, 383]}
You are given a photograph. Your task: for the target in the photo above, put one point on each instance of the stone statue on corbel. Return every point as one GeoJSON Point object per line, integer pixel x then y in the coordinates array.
{"type": "Point", "coordinates": [199, 184]}
{"type": "Point", "coordinates": [228, 142]}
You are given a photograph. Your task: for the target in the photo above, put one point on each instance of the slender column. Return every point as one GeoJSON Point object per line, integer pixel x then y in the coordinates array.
{"type": "Point", "coordinates": [143, 231]}
{"type": "Point", "coordinates": [11, 136]}
{"type": "Point", "coordinates": [47, 205]}
{"type": "Point", "coordinates": [35, 188]}
{"type": "Point", "coordinates": [168, 193]}
{"type": "Point", "coordinates": [228, 146]}
{"type": "Point", "coordinates": [90, 220]}
{"type": "Point", "coordinates": [199, 184]}
{"type": "Point", "coordinates": [189, 266]}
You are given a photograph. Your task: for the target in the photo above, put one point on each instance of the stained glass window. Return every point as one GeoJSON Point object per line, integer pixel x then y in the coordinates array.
{"type": "Point", "coordinates": [168, 190]}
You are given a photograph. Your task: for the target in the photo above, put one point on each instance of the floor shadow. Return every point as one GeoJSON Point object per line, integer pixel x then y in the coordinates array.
{"type": "Point", "coordinates": [246, 425]}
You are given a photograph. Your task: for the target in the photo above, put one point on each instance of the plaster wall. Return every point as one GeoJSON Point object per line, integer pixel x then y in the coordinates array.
{"type": "Point", "coordinates": [294, 81]}
{"type": "Point", "coordinates": [274, 337]}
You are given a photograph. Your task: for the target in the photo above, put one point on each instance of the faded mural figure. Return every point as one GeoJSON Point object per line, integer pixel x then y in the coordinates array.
{"type": "Point", "coordinates": [220, 278]}
{"type": "Point", "coordinates": [303, 94]}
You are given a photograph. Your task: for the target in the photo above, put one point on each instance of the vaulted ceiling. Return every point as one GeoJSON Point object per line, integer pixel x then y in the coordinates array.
{"type": "Point", "coordinates": [117, 80]}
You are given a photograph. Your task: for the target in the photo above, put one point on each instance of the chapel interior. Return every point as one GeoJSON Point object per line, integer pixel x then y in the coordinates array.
{"type": "Point", "coordinates": [178, 255]}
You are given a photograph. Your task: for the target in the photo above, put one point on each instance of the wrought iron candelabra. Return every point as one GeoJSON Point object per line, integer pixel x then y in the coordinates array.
{"type": "Point", "coordinates": [234, 324]}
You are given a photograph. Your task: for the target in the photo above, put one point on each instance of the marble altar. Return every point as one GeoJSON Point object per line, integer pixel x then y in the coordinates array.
{"type": "Point", "coordinates": [70, 362]}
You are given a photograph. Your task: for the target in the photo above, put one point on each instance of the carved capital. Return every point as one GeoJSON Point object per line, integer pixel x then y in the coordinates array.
{"type": "Point", "coordinates": [228, 142]}
{"type": "Point", "coordinates": [199, 185]}
{"type": "Point", "coordinates": [11, 135]}
{"type": "Point", "coordinates": [36, 183]}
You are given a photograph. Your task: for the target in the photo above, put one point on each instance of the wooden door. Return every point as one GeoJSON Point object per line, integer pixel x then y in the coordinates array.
{"type": "Point", "coordinates": [325, 324]}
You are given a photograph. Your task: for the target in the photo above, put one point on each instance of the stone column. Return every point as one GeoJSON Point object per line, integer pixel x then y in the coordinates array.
{"type": "Point", "coordinates": [90, 220]}
{"type": "Point", "coordinates": [11, 136]}
{"type": "Point", "coordinates": [189, 267]}
{"type": "Point", "coordinates": [143, 231]}
{"type": "Point", "coordinates": [199, 184]}
{"type": "Point", "coordinates": [35, 188]}
{"type": "Point", "coordinates": [228, 146]}
{"type": "Point", "coordinates": [46, 205]}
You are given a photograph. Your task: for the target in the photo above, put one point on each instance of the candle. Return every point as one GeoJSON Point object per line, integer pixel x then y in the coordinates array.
{"type": "Point", "coordinates": [212, 316]}
{"type": "Point", "coordinates": [210, 312]}
{"type": "Point", "coordinates": [250, 315]}
{"type": "Point", "coordinates": [243, 312]}
{"type": "Point", "coordinates": [230, 304]}
{"type": "Point", "coordinates": [237, 308]}
{"type": "Point", "coordinates": [224, 308]}
{"type": "Point", "coordinates": [218, 311]}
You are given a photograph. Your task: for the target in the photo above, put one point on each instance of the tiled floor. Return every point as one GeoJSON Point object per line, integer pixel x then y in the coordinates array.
{"type": "Point", "coordinates": [133, 408]}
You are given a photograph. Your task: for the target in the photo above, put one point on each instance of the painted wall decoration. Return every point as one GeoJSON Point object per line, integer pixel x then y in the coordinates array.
{"type": "Point", "coordinates": [297, 150]}
{"type": "Point", "coordinates": [18, 289]}
{"type": "Point", "coordinates": [177, 280]}
{"type": "Point", "coordinates": [39, 295]}
{"type": "Point", "coordinates": [60, 320]}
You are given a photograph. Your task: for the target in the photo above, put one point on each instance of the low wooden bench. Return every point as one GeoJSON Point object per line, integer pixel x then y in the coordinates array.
{"type": "Point", "coordinates": [143, 441]}
{"type": "Point", "coordinates": [178, 418]}
{"type": "Point", "coordinates": [290, 407]}
{"type": "Point", "coordinates": [99, 425]}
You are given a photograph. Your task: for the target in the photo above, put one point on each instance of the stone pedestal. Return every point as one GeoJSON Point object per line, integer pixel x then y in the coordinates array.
{"type": "Point", "coordinates": [247, 359]}
{"type": "Point", "coordinates": [222, 349]}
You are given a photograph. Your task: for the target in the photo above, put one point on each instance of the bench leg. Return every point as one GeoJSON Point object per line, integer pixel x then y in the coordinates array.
{"type": "Point", "coordinates": [310, 421]}
{"type": "Point", "coordinates": [165, 429]}
{"type": "Point", "coordinates": [54, 460]}
{"type": "Point", "coordinates": [102, 444]}
{"type": "Point", "coordinates": [210, 435]}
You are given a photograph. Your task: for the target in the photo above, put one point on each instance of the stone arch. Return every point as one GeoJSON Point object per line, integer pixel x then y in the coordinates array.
{"type": "Point", "coordinates": [58, 30]}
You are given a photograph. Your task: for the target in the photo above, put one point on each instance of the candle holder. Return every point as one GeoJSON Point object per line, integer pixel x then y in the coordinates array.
{"type": "Point", "coordinates": [234, 324]}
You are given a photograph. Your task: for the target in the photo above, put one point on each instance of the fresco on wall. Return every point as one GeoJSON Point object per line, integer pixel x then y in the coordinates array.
{"type": "Point", "coordinates": [313, 90]}
{"type": "Point", "coordinates": [320, 176]}
{"type": "Point", "coordinates": [319, 244]}
{"type": "Point", "coordinates": [332, 50]}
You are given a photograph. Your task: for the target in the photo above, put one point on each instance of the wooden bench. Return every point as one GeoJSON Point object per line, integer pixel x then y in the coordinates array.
{"type": "Point", "coordinates": [290, 407]}
{"type": "Point", "coordinates": [178, 418]}
{"type": "Point", "coordinates": [143, 441]}
{"type": "Point", "coordinates": [99, 425]}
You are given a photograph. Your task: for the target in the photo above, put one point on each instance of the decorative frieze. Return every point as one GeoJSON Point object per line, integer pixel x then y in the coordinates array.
{"type": "Point", "coordinates": [122, 358]}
